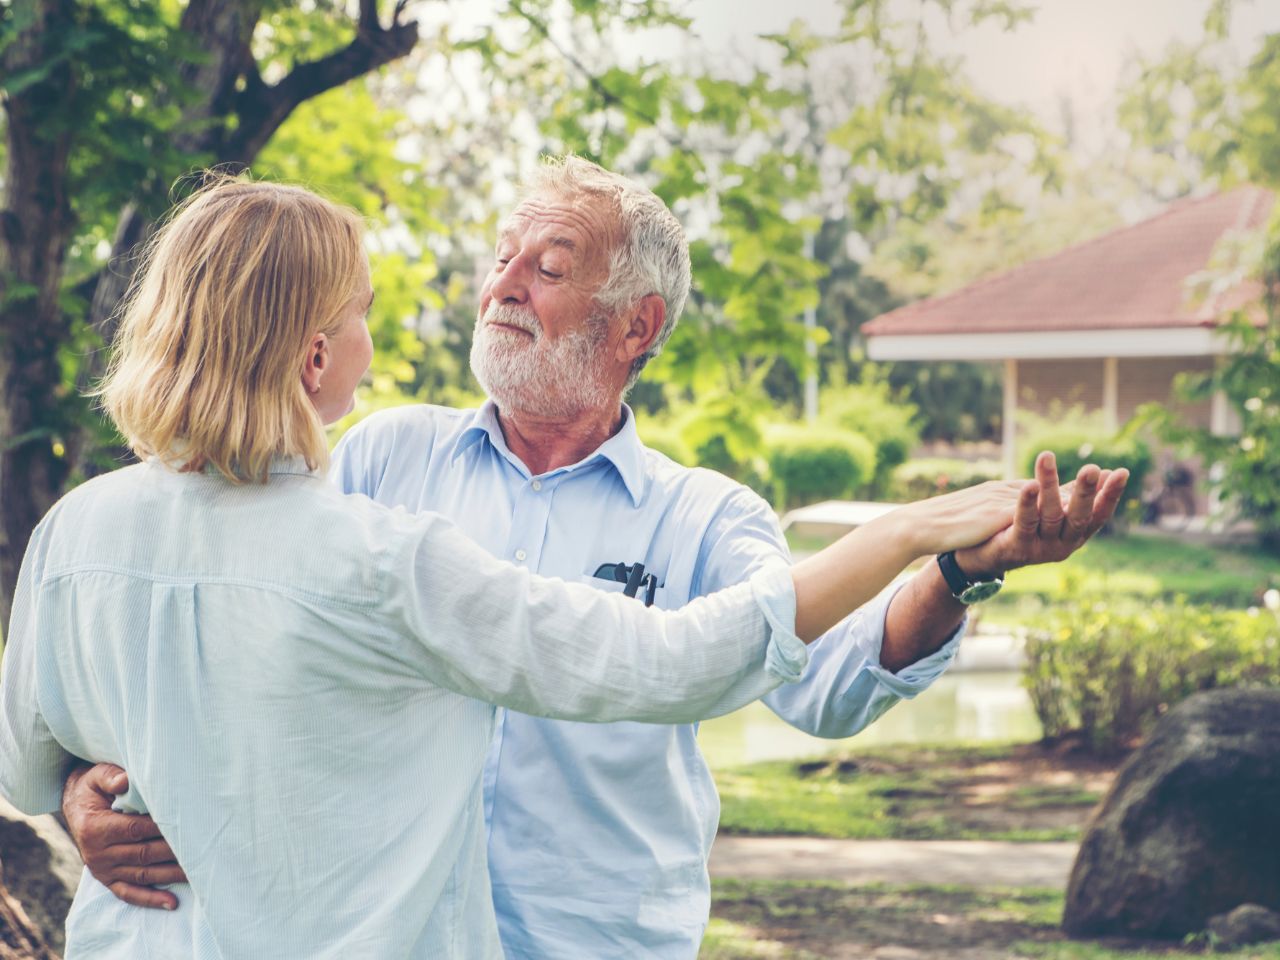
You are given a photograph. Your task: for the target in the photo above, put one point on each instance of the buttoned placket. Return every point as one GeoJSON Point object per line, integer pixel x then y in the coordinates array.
{"type": "Point", "coordinates": [525, 542]}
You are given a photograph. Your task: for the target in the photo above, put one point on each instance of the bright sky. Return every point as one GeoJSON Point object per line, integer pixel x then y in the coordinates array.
{"type": "Point", "coordinates": [1076, 47]}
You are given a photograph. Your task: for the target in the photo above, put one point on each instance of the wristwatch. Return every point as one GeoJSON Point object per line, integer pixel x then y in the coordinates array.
{"type": "Point", "coordinates": [965, 588]}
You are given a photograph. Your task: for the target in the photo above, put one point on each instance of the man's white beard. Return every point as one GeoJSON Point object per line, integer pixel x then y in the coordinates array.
{"type": "Point", "coordinates": [549, 378]}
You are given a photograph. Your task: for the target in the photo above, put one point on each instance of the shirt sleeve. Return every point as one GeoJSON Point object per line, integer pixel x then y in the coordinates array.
{"type": "Point", "coordinates": [844, 688]}
{"type": "Point", "coordinates": [33, 765]}
{"type": "Point", "coordinates": [497, 632]}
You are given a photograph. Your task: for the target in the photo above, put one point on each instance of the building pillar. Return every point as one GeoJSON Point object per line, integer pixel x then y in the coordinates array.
{"type": "Point", "coordinates": [1009, 421]}
{"type": "Point", "coordinates": [1111, 394]}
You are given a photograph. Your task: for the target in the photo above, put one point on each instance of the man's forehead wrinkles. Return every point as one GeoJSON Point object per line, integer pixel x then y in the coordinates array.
{"type": "Point", "coordinates": [512, 233]}
{"type": "Point", "coordinates": [577, 215]}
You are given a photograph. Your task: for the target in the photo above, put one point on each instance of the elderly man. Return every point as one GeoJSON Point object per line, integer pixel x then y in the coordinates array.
{"type": "Point", "coordinates": [599, 834]}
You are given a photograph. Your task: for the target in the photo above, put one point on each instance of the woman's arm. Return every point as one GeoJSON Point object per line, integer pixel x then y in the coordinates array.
{"type": "Point", "coordinates": [496, 632]}
{"type": "Point", "coordinates": [33, 764]}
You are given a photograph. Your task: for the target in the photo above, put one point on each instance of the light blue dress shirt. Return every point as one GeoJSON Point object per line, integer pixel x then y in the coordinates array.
{"type": "Point", "coordinates": [299, 685]}
{"type": "Point", "coordinates": [599, 835]}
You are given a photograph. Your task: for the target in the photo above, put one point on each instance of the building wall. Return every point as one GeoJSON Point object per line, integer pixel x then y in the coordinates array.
{"type": "Point", "coordinates": [1051, 388]}
{"type": "Point", "coordinates": [1146, 379]}
{"type": "Point", "coordinates": [1048, 388]}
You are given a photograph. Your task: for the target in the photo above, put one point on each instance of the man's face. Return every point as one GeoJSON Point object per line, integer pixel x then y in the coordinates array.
{"type": "Point", "coordinates": [541, 344]}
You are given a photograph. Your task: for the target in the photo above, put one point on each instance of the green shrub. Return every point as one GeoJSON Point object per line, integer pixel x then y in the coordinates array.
{"type": "Point", "coordinates": [929, 476]}
{"type": "Point", "coordinates": [1077, 439]}
{"type": "Point", "coordinates": [1109, 672]}
{"type": "Point", "coordinates": [722, 432]}
{"type": "Point", "coordinates": [807, 464]}
{"type": "Point", "coordinates": [888, 420]}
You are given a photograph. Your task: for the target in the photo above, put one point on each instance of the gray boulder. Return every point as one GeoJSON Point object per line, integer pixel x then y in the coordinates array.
{"type": "Point", "coordinates": [1244, 925]}
{"type": "Point", "coordinates": [1191, 826]}
{"type": "Point", "coordinates": [41, 869]}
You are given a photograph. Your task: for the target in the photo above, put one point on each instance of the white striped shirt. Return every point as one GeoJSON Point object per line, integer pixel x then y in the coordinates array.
{"type": "Point", "coordinates": [300, 685]}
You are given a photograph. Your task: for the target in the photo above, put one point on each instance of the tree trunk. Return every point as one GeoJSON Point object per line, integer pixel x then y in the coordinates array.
{"type": "Point", "coordinates": [35, 224]}
{"type": "Point", "coordinates": [19, 938]}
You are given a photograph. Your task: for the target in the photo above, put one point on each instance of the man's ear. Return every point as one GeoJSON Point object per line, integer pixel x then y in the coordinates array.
{"type": "Point", "coordinates": [642, 325]}
{"type": "Point", "coordinates": [315, 363]}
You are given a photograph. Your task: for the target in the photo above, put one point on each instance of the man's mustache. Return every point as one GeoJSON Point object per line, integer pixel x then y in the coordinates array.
{"type": "Point", "coordinates": [512, 317]}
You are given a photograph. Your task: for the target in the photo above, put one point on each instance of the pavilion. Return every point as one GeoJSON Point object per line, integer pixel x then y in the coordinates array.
{"type": "Point", "coordinates": [1107, 323]}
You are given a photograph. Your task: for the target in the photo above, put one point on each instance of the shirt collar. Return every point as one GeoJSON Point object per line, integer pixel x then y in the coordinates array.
{"type": "Point", "coordinates": [624, 449]}
{"type": "Point", "coordinates": [279, 464]}
{"type": "Point", "coordinates": [293, 465]}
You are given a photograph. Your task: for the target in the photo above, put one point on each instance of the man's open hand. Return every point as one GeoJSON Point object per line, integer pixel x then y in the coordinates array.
{"type": "Point", "coordinates": [1043, 529]}
{"type": "Point", "coordinates": [124, 851]}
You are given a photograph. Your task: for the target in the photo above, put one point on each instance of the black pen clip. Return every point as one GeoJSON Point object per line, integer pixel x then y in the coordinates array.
{"type": "Point", "coordinates": [633, 576]}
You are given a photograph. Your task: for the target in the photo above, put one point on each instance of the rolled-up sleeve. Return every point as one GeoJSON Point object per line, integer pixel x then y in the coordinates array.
{"type": "Point", "coordinates": [844, 687]}
{"type": "Point", "coordinates": [33, 764]}
{"type": "Point", "coordinates": [494, 631]}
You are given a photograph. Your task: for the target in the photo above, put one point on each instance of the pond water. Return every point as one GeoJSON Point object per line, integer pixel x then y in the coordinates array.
{"type": "Point", "coordinates": [959, 708]}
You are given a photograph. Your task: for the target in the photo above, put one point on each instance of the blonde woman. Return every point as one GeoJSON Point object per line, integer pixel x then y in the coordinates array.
{"type": "Point", "coordinates": [243, 639]}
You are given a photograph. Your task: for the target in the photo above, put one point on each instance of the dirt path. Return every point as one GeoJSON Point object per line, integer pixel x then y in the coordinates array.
{"type": "Point", "coordinates": [976, 863]}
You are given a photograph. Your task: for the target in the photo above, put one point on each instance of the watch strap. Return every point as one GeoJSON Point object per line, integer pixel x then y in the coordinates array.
{"type": "Point", "coordinates": [956, 578]}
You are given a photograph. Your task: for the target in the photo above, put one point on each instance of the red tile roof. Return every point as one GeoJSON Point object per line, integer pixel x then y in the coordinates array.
{"type": "Point", "coordinates": [1131, 278]}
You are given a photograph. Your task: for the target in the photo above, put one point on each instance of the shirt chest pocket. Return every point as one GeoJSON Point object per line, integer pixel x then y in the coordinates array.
{"type": "Point", "coordinates": [661, 598]}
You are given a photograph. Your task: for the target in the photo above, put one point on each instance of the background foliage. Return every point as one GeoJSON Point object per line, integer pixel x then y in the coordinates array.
{"type": "Point", "coordinates": [1108, 673]}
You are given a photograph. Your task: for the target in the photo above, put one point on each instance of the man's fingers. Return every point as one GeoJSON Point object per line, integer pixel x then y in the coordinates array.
{"type": "Point", "coordinates": [137, 828]}
{"type": "Point", "coordinates": [1026, 515]}
{"type": "Point", "coordinates": [1080, 508]}
{"type": "Point", "coordinates": [110, 829]}
{"type": "Point", "coordinates": [144, 896]}
{"type": "Point", "coordinates": [146, 854]}
{"type": "Point", "coordinates": [1051, 514]}
{"type": "Point", "coordinates": [161, 873]}
{"type": "Point", "coordinates": [1109, 492]}
{"type": "Point", "coordinates": [107, 778]}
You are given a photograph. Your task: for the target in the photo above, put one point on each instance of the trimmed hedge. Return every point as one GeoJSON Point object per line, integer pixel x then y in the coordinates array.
{"type": "Point", "coordinates": [872, 410]}
{"type": "Point", "coordinates": [808, 464]}
{"type": "Point", "coordinates": [927, 477]}
{"type": "Point", "coordinates": [1074, 446]}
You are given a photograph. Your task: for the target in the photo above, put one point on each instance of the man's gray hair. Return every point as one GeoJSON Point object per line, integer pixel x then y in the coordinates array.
{"type": "Point", "coordinates": [652, 255]}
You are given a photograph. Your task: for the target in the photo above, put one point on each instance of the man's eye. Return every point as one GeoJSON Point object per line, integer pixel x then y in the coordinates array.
{"type": "Point", "coordinates": [550, 274]}
{"type": "Point", "coordinates": [504, 260]}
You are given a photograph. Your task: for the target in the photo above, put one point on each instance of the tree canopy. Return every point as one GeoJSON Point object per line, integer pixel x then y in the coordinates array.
{"type": "Point", "coordinates": [423, 126]}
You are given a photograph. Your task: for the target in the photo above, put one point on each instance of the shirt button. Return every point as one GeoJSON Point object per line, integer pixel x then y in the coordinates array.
{"type": "Point", "coordinates": [537, 485]}
{"type": "Point", "coordinates": [520, 554]}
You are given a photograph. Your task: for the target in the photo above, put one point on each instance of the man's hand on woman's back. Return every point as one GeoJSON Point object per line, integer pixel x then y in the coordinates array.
{"type": "Point", "coordinates": [124, 851]}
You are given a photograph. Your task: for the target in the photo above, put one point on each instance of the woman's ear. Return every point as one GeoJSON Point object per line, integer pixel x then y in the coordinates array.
{"type": "Point", "coordinates": [315, 363]}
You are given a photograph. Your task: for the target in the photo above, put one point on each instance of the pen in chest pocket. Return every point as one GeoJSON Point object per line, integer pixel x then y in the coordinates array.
{"type": "Point", "coordinates": [633, 576]}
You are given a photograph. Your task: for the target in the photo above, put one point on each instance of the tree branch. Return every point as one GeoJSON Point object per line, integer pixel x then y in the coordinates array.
{"type": "Point", "coordinates": [368, 19]}
{"type": "Point", "coordinates": [261, 109]}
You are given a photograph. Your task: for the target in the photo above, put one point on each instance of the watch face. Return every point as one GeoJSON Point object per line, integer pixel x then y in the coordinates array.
{"type": "Point", "coordinates": [980, 591]}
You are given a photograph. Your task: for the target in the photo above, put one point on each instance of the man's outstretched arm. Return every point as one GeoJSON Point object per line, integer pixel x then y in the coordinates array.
{"type": "Point", "coordinates": [124, 851]}
{"type": "Point", "coordinates": [896, 646]}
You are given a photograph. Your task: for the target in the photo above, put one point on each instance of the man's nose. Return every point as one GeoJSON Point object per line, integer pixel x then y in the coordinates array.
{"type": "Point", "coordinates": [511, 281]}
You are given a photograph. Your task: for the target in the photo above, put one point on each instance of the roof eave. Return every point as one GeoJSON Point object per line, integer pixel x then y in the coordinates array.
{"type": "Point", "coordinates": [1184, 341]}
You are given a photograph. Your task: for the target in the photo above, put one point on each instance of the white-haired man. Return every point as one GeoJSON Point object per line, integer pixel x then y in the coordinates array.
{"type": "Point", "coordinates": [599, 833]}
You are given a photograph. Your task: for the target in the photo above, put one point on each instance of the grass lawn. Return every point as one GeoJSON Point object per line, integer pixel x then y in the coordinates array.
{"type": "Point", "coordinates": [990, 792]}
{"type": "Point", "coordinates": [1150, 565]}
{"type": "Point", "coordinates": [805, 921]}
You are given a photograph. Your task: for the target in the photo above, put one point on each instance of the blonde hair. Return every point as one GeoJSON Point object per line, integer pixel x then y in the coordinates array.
{"type": "Point", "coordinates": [207, 369]}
